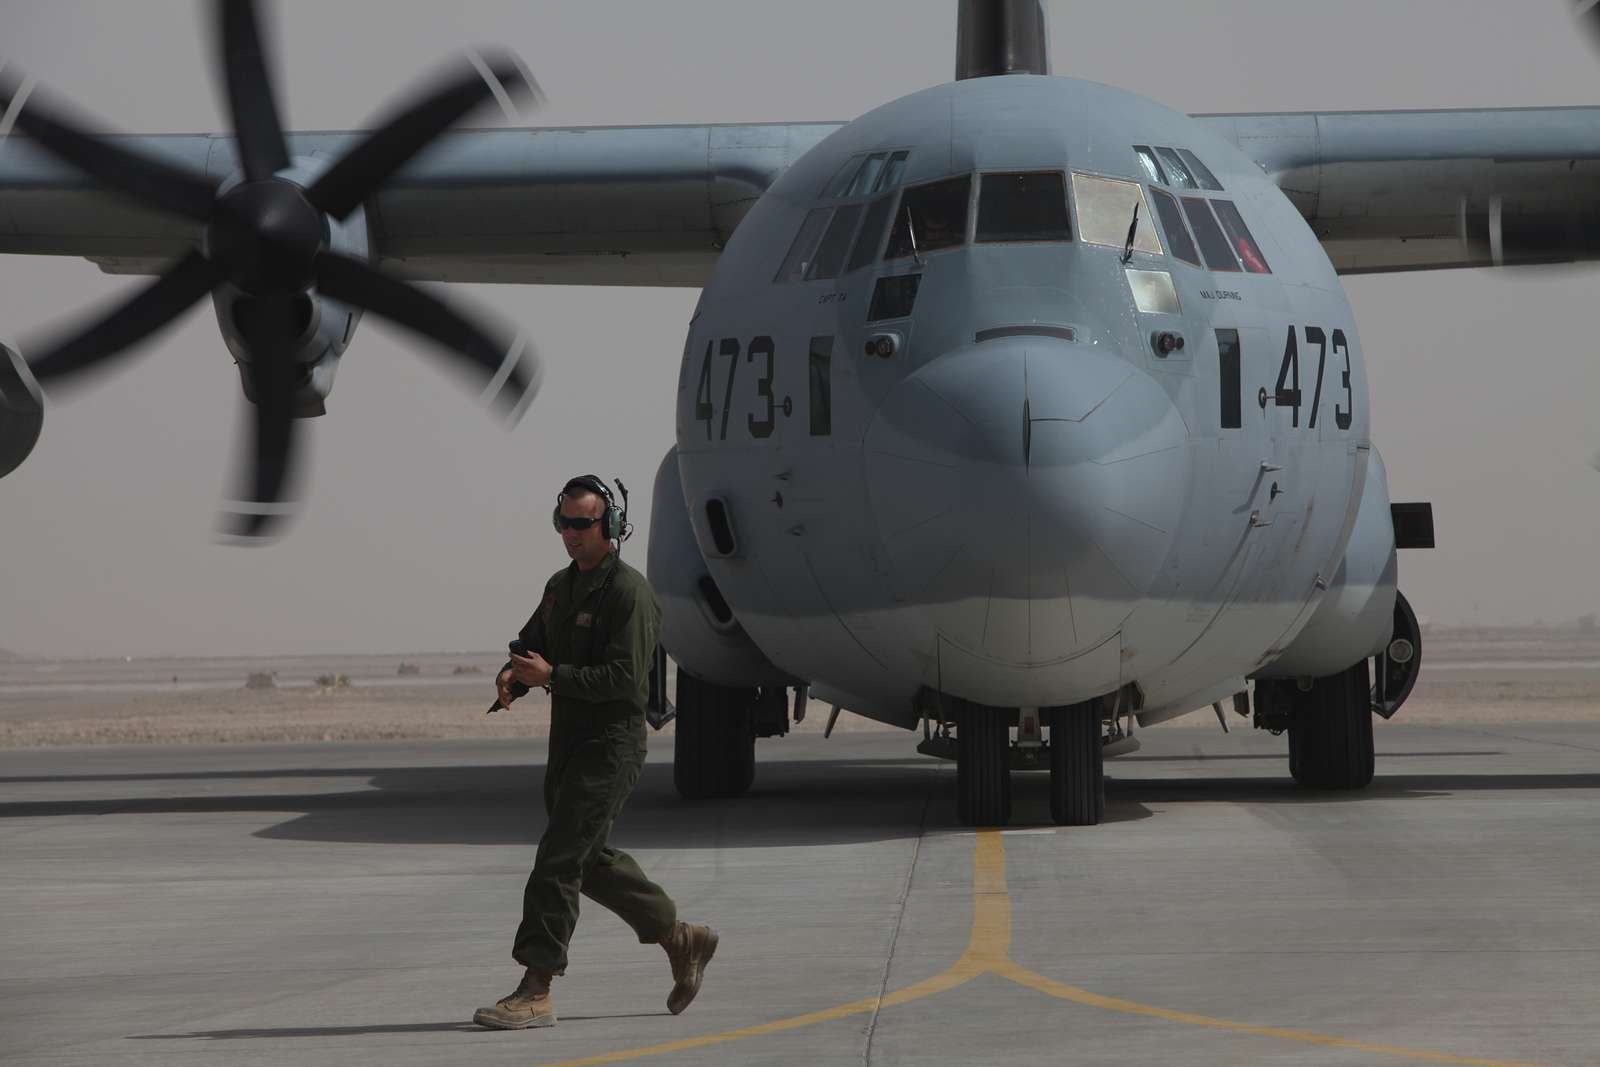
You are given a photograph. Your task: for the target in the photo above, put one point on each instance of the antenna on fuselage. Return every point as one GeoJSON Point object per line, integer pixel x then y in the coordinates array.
{"type": "Point", "coordinates": [1001, 37]}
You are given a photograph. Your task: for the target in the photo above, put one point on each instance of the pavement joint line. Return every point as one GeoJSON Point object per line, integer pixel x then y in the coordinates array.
{"type": "Point", "coordinates": [899, 920]}
{"type": "Point", "coordinates": [988, 951]}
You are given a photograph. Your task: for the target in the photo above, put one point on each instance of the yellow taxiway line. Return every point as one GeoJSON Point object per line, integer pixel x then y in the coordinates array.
{"type": "Point", "coordinates": [988, 951]}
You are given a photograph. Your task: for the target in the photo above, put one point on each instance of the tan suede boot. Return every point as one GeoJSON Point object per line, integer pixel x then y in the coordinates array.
{"type": "Point", "coordinates": [689, 949]}
{"type": "Point", "coordinates": [528, 1006]}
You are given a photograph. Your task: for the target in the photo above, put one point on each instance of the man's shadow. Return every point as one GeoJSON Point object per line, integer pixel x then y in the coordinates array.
{"type": "Point", "coordinates": [455, 1026]}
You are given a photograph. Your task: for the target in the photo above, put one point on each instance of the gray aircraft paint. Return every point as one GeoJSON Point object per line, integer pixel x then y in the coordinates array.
{"type": "Point", "coordinates": [923, 543]}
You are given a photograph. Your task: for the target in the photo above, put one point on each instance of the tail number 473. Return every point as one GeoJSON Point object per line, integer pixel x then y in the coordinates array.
{"type": "Point", "coordinates": [760, 352]}
{"type": "Point", "coordinates": [1287, 393]}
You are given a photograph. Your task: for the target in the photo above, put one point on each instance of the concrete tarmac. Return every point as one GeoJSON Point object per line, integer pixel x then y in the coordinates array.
{"type": "Point", "coordinates": [353, 903]}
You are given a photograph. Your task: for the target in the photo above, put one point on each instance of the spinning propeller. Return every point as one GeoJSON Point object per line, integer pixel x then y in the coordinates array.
{"type": "Point", "coordinates": [1588, 17]}
{"type": "Point", "coordinates": [269, 237]}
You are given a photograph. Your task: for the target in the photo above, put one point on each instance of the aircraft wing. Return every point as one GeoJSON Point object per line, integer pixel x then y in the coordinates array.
{"type": "Point", "coordinates": [650, 205]}
{"type": "Point", "coordinates": [653, 205]}
{"type": "Point", "coordinates": [1422, 190]}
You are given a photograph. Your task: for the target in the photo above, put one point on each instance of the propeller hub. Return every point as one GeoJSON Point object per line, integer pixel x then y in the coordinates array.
{"type": "Point", "coordinates": [266, 236]}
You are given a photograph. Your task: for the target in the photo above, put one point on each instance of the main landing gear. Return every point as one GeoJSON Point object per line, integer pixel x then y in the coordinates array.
{"type": "Point", "coordinates": [984, 758]}
{"type": "Point", "coordinates": [714, 749]}
{"type": "Point", "coordinates": [1329, 721]}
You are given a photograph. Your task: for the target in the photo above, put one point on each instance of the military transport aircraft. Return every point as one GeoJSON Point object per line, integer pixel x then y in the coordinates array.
{"type": "Point", "coordinates": [1021, 410]}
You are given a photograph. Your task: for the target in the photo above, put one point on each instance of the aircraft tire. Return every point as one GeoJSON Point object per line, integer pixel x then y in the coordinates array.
{"type": "Point", "coordinates": [714, 747]}
{"type": "Point", "coordinates": [983, 767]}
{"type": "Point", "coordinates": [1077, 765]}
{"type": "Point", "coordinates": [1330, 731]}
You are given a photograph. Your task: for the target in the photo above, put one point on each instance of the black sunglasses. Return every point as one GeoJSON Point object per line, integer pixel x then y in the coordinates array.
{"type": "Point", "coordinates": [570, 522]}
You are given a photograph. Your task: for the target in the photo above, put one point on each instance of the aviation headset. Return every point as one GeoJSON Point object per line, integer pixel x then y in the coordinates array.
{"type": "Point", "coordinates": [614, 524]}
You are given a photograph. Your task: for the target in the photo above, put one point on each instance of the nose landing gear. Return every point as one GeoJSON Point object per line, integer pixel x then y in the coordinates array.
{"type": "Point", "coordinates": [985, 757]}
{"type": "Point", "coordinates": [983, 765]}
{"type": "Point", "coordinates": [1077, 765]}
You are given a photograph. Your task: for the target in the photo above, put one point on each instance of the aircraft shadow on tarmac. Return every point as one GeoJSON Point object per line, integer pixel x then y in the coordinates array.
{"type": "Point", "coordinates": [793, 804]}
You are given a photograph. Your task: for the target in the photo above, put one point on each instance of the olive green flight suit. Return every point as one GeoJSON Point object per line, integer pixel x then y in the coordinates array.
{"type": "Point", "coordinates": [602, 648]}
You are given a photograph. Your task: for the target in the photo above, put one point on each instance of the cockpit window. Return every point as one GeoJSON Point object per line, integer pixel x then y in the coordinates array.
{"type": "Point", "coordinates": [1153, 292]}
{"type": "Point", "coordinates": [867, 176]}
{"type": "Point", "coordinates": [870, 235]}
{"type": "Point", "coordinates": [841, 181]}
{"type": "Point", "coordinates": [893, 170]}
{"type": "Point", "coordinates": [1023, 207]}
{"type": "Point", "coordinates": [802, 251]}
{"type": "Point", "coordinates": [930, 217]}
{"type": "Point", "coordinates": [1106, 212]}
{"type": "Point", "coordinates": [1215, 246]}
{"type": "Point", "coordinates": [1177, 170]}
{"type": "Point", "coordinates": [1147, 160]}
{"type": "Point", "coordinates": [835, 243]}
{"type": "Point", "coordinates": [1243, 242]}
{"type": "Point", "coordinates": [1201, 172]}
{"type": "Point", "coordinates": [865, 173]}
{"type": "Point", "coordinates": [1178, 238]}
{"type": "Point", "coordinates": [894, 297]}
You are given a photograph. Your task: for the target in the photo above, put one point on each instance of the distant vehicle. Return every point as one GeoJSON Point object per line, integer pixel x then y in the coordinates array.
{"type": "Point", "coordinates": [1020, 409]}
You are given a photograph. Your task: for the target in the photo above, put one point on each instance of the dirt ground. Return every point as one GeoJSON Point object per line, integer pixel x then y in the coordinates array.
{"type": "Point", "coordinates": [365, 713]}
{"type": "Point", "coordinates": [1470, 677]}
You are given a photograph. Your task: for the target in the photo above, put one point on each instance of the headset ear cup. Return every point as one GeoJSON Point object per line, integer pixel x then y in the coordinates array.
{"type": "Point", "coordinates": [555, 517]}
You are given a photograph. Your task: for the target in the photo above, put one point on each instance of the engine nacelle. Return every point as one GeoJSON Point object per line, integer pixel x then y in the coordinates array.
{"type": "Point", "coordinates": [324, 330]}
{"type": "Point", "coordinates": [1355, 619]}
{"type": "Point", "coordinates": [324, 326]}
{"type": "Point", "coordinates": [21, 411]}
{"type": "Point", "coordinates": [698, 628]}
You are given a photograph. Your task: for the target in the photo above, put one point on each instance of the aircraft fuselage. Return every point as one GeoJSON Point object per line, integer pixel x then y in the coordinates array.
{"type": "Point", "coordinates": [979, 428]}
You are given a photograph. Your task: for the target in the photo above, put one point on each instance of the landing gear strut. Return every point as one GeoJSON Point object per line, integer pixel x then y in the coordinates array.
{"type": "Point", "coordinates": [1077, 765]}
{"type": "Point", "coordinates": [714, 751]}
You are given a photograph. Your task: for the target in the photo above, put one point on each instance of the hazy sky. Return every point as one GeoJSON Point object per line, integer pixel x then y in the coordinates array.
{"type": "Point", "coordinates": [426, 525]}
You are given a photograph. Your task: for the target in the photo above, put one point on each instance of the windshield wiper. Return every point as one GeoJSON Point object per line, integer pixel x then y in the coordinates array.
{"type": "Point", "coordinates": [1133, 227]}
{"type": "Point", "coordinates": [911, 230]}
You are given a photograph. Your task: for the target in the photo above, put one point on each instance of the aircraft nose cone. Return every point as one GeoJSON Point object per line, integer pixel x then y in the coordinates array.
{"type": "Point", "coordinates": [1027, 491]}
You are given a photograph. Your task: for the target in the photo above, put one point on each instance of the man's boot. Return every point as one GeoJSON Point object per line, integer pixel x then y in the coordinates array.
{"type": "Point", "coordinates": [529, 1006]}
{"type": "Point", "coordinates": [689, 949]}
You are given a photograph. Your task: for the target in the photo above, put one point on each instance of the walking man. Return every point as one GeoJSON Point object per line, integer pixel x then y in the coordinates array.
{"type": "Point", "coordinates": [592, 642]}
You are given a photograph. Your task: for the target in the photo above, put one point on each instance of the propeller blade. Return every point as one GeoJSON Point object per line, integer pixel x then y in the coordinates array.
{"type": "Point", "coordinates": [256, 127]}
{"type": "Point", "coordinates": [272, 448]}
{"type": "Point", "coordinates": [1588, 17]}
{"type": "Point", "coordinates": [131, 321]}
{"type": "Point", "coordinates": [512, 368]}
{"type": "Point", "coordinates": [264, 479]}
{"type": "Point", "coordinates": [362, 170]}
{"type": "Point", "coordinates": [156, 184]}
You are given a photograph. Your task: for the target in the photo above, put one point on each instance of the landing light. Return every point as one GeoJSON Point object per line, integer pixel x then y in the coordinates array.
{"type": "Point", "coordinates": [883, 345]}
